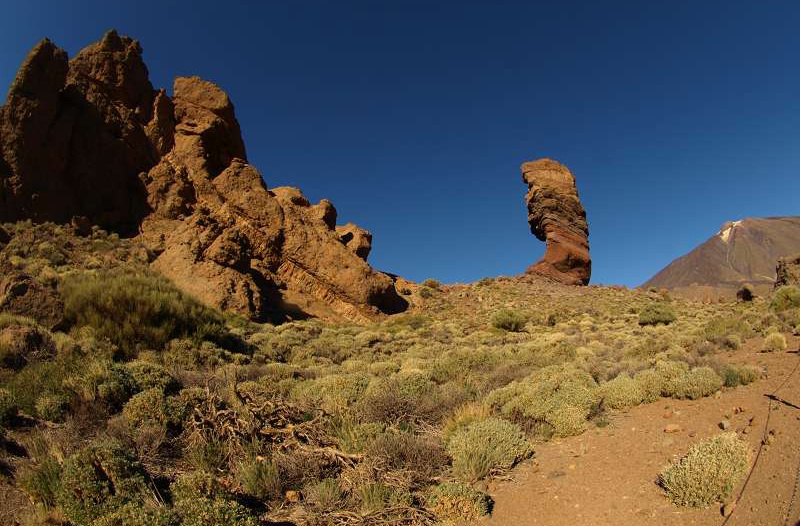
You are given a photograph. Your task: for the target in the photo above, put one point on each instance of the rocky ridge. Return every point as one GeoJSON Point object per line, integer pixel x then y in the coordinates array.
{"type": "Point", "coordinates": [90, 141]}
{"type": "Point", "coordinates": [556, 216]}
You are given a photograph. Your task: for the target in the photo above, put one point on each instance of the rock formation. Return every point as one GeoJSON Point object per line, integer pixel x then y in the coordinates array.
{"type": "Point", "coordinates": [557, 217]}
{"type": "Point", "coordinates": [787, 271]}
{"type": "Point", "coordinates": [356, 239]}
{"type": "Point", "coordinates": [90, 141]}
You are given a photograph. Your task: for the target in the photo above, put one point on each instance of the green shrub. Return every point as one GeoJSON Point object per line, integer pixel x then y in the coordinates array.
{"type": "Point", "coordinates": [451, 501]}
{"type": "Point", "coordinates": [208, 454]}
{"type": "Point", "coordinates": [21, 344]}
{"type": "Point", "coordinates": [260, 478]}
{"type": "Point", "coordinates": [146, 408]}
{"type": "Point", "coordinates": [52, 407]}
{"type": "Point", "coordinates": [786, 297]}
{"type": "Point", "coordinates": [333, 393]}
{"type": "Point", "coordinates": [509, 320]}
{"type": "Point", "coordinates": [139, 515]}
{"type": "Point", "coordinates": [420, 457]}
{"type": "Point", "coordinates": [486, 445]}
{"type": "Point", "coordinates": [651, 384]}
{"type": "Point", "coordinates": [98, 480]}
{"type": "Point", "coordinates": [42, 482]}
{"type": "Point", "coordinates": [147, 375]}
{"type": "Point", "coordinates": [555, 400]}
{"type": "Point", "coordinates": [8, 406]}
{"type": "Point", "coordinates": [102, 382]}
{"type": "Point", "coordinates": [326, 494]}
{"type": "Point", "coordinates": [709, 472]}
{"type": "Point", "coordinates": [622, 392]}
{"type": "Point", "coordinates": [656, 313]}
{"type": "Point", "coordinates": [205, 512]}
{"type": "Point", "coordinates": [197, 485]}
{"type": "Point", "coordinates": [727, 331]}
{"type": "Point", "coordinates": [775, 342]}
{"type": "Point", "coordinates": [432, 283]}
{"type": "Point", "coordinates": [137, 311]}
{"type": "Point", "coordinates": [378, 496]}
{"type": "Point", "coordinates": [35, 380]}
{"type": "Point", "coordinates": [463, 417]}
{"type": "Point", "coordinates": [733, 375]}
{"type": "Point", "coordinates": [353, 437]}
{"type": "Point", "coordinates": [697, 383]}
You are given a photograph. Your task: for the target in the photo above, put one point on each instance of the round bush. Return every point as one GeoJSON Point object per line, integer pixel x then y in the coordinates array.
{"type": "Point", "coordinates": [709, 472]}
{"type": "Point", "coordinates": [486, 445]}
{"type": "Point", "coordinates": [52, 407]}
{"type": "Point", "coordinates": [451, 501]}
{"type": "Point", "coordinates": [656, 313]}
{"type": "Point", "coordinates": [99, 480]}
{"type": "Point", "coordinates": [775, 342]}
{"type": "Point", "coordinates": [786, 297]}
{"type": "Point", "coordinates": [509, 320]}
{"type": "Point", "coordinates": [622, 392]}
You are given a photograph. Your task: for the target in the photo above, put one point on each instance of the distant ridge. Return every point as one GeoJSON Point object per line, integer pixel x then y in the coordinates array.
{"type": "Point", "coordinates": [740, 252]}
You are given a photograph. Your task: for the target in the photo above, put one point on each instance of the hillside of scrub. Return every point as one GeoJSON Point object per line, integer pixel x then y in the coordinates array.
{"type": "Point", "coordinates": [128, 402]}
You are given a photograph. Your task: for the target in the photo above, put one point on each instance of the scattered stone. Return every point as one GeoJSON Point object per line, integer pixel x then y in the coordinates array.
{"type": "Point", "coordinates": [556, 216]}
{"type": "Point", "coordinates": [725, 425]}
{"type": "Point", "coordinates": [728, 508]}
{"type": "Point", "coordinates": [23, 295]}
{"type": "Point", "coordinates": [293, 496]}
{"type": "Point", "coordinates": [672, 428]}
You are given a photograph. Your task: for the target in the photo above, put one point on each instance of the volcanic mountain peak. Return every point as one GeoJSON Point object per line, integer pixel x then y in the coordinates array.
{"type": "Point", "coordinates": [742, 251]}
{"type": "Point", "coordinates": [727, 228]}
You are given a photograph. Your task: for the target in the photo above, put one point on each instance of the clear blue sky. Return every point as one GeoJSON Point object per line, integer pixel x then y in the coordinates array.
{"type": "Point", "coordinates": [413, 116]}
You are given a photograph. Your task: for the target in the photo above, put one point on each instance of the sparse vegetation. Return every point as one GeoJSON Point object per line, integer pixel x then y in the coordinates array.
{"type": "Point", "coordinates": [656, 313]}
{"type": "Point", "coordinates": [169, 413]}
{"type": "Point", "coordinates": [775, 342]}
{"type": "Point", "coordinates": [708, 472]}
{"type": "Point", "coordinates": [509, 320]}
{"type": "Point", "coordinates": [458, 502]}
{"type": "Point", "coordinates": [137, 311]}
{"type": "Point", "coordinates": [785, 298]}
{"type": "Point", "coordinates": [485, 445]}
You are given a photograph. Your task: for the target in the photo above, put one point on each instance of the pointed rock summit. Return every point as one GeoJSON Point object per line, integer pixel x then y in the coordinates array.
{"type": "Point", "coordinates": [557, 217]}
{"type": "Point", "coordinates": [90, 141]}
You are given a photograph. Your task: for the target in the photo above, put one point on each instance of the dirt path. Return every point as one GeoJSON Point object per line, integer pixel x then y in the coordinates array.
{"type": "Point", "coordinates": [607, 475]}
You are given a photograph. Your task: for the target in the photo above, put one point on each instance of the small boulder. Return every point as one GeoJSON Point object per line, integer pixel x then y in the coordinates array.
{"type": "Point", "coordinates": [22, 295]}
{"type": "Point", "coordinates": [21, 344]}
{"type": "Point", "coordinates": [672, 428]}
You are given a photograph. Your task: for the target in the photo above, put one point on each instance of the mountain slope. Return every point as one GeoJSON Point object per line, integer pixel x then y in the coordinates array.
{"type": "Point", "coordinates": [741, 252]}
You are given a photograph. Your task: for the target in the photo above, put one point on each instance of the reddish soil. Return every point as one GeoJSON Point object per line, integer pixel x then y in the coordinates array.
{"type": "Point", "coordinates": [607, 475]}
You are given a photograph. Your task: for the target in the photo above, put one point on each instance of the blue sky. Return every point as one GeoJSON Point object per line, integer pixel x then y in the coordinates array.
{"type": "Point", "coordinates": [413, 116]}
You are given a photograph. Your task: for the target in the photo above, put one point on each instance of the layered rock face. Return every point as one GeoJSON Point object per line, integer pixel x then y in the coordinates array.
{"type": "Point", "coordinates": [90, 140]}
{"type": "Point", "coordinates": [556, 216]}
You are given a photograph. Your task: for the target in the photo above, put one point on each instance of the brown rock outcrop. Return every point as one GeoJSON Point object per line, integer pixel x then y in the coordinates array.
{"type": "Point", "coordinates": [356, 239]}
{"type": "Point", "coordinates": [90, 139]}
{"type": "Point", "coordinates": [22, 295]}
{"type": "Point", "coordinates": [557, 217]}
{"type": "Point", "coordinates": [787, 271]}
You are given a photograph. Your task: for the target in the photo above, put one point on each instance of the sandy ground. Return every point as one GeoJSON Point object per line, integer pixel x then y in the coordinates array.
{"type": "Point", "coordinates": [607, 475]}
